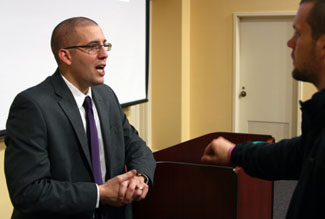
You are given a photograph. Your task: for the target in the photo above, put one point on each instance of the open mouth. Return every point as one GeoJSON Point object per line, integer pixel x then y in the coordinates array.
{"type": "Point", "coordinates": [100, 68]}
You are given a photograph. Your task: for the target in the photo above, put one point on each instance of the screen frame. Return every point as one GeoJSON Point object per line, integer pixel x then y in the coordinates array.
{"type": "Point", "coordinates": [147, 55]}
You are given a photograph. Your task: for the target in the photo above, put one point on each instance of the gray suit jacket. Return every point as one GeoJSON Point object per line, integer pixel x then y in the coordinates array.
{"type": "Point", "coordinates": [47, 159]}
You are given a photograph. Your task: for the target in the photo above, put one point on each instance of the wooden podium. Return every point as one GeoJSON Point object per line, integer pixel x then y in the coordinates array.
{"type": "Point", "coordinates": [186, 188]}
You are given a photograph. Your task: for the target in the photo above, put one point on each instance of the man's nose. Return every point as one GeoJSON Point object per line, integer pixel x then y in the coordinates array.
{"type": "Point", "coordinates": [103, 53]}
{"type": "Point", "coordinates": [292, 42]}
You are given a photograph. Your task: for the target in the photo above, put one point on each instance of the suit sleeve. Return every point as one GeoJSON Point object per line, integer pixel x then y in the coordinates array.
{"type": "Point", "coordinates": [274, 161]}
{"type": "Point", "coordinates": [138, 154]}
{"type": "Point", "coordinates": [28, 167]}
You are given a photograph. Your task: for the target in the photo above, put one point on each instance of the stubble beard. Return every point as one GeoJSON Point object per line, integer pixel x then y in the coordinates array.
{"type": "Point", "coordinates": [303, 75]}
{"type": "Point", "coordinates": [307, 72]}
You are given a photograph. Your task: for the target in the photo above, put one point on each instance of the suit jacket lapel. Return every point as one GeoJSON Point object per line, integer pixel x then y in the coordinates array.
{"type": "Point", "coordinates": [103, 114]}
{"type": "Point", "coordinates": [69, 106]}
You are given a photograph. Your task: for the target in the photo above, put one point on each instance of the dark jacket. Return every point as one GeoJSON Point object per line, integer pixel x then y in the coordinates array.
{"type": "Point", "coordinates": [300, 158]}
{"type": "Point", "coordinates": [47, 159]}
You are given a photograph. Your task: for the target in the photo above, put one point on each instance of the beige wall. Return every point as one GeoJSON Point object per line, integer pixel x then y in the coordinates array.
{"type": "Point", "coordinates": [5, 204]}
{"type": "Point", "coordinates": [307, 91]}
{"type": "Point", "coordinates": [166, 68]}
{"type": "Point", "coordinates": [209, 73]}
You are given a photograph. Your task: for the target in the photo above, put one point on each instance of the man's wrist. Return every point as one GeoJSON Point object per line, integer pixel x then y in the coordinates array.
{"type": "Point", "coordinates": [145, 177]}
{"type": "Point", "coordinates": [230, 151]}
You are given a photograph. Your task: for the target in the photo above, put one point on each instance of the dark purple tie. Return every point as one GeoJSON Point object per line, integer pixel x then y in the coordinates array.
{"type": "Point", "coordinates": [92, 135]}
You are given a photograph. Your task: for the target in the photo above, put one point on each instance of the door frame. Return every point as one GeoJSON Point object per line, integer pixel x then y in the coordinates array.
{"type": "Point", "coordinates": [236, 63]}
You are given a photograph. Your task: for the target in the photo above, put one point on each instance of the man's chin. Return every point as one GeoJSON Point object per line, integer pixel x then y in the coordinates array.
{"type": "Point", "coordinates": [98, 82]}
{"type": "Point", "coordinates": [298, 75]}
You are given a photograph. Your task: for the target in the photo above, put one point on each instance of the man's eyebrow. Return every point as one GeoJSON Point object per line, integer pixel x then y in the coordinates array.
{"type": "Point", "coordinates": [94, 41]}
{"type": "Point", "coordinates": [97, 41]}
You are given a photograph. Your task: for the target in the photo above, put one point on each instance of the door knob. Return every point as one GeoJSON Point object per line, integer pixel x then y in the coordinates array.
{"type": "Point", "coordinates": [243, 93]}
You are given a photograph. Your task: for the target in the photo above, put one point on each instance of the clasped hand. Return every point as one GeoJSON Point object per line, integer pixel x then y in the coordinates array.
{"type": "Point", "coordinates": [123, 189]}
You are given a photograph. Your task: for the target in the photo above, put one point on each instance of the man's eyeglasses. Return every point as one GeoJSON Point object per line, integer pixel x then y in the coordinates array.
{"type": "Point", "coordinates": [93, 48]}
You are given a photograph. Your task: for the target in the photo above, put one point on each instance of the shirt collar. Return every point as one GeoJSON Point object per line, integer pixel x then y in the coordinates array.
{"type": "Point", "coordinates": [77, 94]}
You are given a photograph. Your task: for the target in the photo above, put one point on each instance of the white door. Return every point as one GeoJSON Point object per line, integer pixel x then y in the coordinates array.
{"type": "Point", "coordinates": [266, 94]}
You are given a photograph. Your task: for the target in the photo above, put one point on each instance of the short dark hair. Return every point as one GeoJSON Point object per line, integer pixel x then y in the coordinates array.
{"type": "Point", "coordinates": [316, 18]}
{"type": "Point", "coordinates": [64, 34]}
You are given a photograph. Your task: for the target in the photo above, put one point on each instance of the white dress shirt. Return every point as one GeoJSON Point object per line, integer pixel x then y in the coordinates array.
{"type": "Point", "coordinates": [80, 98]}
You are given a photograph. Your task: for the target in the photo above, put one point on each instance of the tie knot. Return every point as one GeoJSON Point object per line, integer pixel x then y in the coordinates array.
{"type": "Point", "coordinates": [87, 103]}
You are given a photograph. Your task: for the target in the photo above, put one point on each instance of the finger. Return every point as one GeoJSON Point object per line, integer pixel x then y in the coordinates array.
{"type": "Point", "coordinates": [203, 158]}
{"type": "Point", "coordinates": [207, 149]}
{"type": "Point", "coordinates": [122, 191]}
{"type": "Point", "coordinates": [141, 193]}
{"type": "Point", "coordinates": [131, 190]}
{"type": "Point", "coordinates": [210, 149]}
{"type": "Point", "coordinates": [126, 176]}
{"type": "Point", "coordinates": [145, 192]}
{"type": "Point", "coordinates": [138, 192]}
{"type": "Point", "coordinates": [207, 158]}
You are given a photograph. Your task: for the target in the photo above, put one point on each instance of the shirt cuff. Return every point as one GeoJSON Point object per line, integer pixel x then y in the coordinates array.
{"type": "Point", "coordinates": [97, 203]}
{"type": "Point", "coordinates": [230, 151]}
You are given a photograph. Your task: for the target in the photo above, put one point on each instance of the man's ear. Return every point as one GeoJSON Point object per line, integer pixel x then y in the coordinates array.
{"type": "Point", "coordinates": [65, 56]}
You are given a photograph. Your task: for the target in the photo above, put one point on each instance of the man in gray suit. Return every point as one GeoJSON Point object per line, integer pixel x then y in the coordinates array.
{"type": "Point", "coordinates": [49, 160]}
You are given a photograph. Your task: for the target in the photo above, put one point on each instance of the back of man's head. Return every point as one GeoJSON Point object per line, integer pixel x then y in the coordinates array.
{"type": "Point", "coordinates": [316, 17]}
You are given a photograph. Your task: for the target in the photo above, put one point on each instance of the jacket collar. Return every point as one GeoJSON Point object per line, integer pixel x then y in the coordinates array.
{"type": "Point", "coordinates": [313, 112]}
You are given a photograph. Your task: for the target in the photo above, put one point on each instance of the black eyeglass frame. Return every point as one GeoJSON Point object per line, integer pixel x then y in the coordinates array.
{"type": "Point", "coordinates": [98, 46]}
